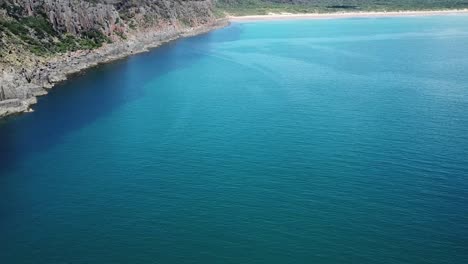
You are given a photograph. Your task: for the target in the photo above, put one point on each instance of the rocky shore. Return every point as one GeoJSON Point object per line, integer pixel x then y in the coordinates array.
{"type": "Point", "coordinates": [23, 85]}
{"type": "Point", "coordinates": [44, 41]}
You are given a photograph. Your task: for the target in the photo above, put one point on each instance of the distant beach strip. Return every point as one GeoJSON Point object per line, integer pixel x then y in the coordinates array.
{"type": "Point", "coordinates": [289, 16]}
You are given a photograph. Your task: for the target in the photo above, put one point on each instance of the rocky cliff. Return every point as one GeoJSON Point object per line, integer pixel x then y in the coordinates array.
{"type": "Point", "coordinates": [42, 41]}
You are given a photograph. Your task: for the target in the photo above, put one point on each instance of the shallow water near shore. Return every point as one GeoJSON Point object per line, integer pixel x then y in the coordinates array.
{"type": "Point", "coordinates": [318, 141]}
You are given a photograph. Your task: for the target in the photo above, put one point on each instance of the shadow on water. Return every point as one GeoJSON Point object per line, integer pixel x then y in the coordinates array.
{"type": "Point", "coordinates": [93, 94]}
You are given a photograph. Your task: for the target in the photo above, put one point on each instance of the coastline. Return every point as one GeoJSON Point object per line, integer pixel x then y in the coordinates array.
{"type": "Point", "coordinates": [340, 15]}
{"type": "Point", "coordinates": [30, 82]}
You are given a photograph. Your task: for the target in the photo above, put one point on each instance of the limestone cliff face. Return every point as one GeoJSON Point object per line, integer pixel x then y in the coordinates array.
{"type": "Point", "coordinates": [41, 41]}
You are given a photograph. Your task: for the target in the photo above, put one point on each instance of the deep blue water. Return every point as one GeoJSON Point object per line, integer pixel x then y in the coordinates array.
{"type": "Point", "coordinates": [326, 141]}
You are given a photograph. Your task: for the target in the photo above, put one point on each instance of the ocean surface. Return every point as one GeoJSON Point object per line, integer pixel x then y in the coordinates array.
{"type": "Point", "coordinates": [314, 141]}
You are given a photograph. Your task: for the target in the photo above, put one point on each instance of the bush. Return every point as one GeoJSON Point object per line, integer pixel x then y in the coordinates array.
{"type": "Point", "coordinates": [38, 35]}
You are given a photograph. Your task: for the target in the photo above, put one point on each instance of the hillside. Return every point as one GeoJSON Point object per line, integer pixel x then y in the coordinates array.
{"type": "Point", "coordinates": [46, 27]}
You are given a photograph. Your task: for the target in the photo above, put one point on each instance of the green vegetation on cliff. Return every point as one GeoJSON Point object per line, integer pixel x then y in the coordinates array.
{"type": "Point", "coordinates": [46, 27]}
{"type": "Point", "coordinates": [251, 7]}
{"type": "Point", "coordinates": [38, 35]}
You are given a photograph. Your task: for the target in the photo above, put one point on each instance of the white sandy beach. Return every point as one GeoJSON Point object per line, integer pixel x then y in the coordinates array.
{"type": "Point", "coordinates": [288, 16]}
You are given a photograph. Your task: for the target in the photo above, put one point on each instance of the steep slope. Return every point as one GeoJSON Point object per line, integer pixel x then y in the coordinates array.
{"type": "Point", "coordinates": [41, 41]}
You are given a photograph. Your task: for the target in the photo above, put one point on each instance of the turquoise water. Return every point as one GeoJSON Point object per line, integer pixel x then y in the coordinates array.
{"type": "Point", "coordinates": [326, 141]}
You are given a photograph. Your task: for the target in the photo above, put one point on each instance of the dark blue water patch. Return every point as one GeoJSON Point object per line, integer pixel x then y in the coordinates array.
{"type": "Point", "coordinates": [92, 94]}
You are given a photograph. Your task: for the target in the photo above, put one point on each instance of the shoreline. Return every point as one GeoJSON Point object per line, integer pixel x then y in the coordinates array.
{"type": "Point", "coordinates": [342, 15]}
{"type": "Point", "coordinates": [33, 82]}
